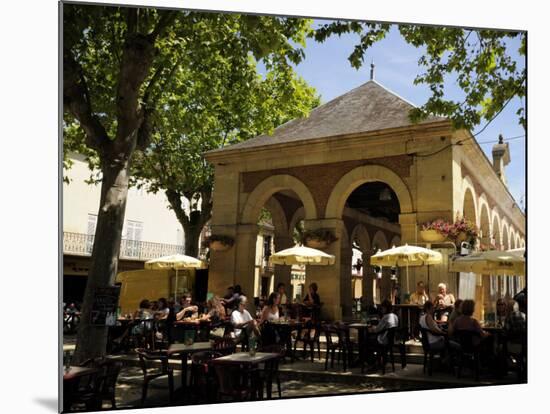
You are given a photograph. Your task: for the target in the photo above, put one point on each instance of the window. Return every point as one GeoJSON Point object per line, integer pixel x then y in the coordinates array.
{"type": "Point", "coordinates": [134, 230]}
{"type": "Point", "coordinates": [92, 223]}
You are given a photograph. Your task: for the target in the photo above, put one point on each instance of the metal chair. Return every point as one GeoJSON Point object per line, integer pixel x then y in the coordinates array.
{"type": "Point", "coordinates": [149, 375]}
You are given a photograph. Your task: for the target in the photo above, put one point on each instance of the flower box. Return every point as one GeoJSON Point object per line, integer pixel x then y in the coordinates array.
{"type": "Point", "coordinates": [432, 236]}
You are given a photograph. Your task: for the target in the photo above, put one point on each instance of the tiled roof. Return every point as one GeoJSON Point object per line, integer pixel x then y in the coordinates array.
{"type": "Point", "coordinates": [369, 107]}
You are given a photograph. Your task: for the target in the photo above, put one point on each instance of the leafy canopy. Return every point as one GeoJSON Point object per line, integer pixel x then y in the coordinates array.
{"type": "Point", "coordinates": [481, 62]}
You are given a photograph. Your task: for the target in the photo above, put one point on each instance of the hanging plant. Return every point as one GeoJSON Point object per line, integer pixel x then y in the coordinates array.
{"type": "Point", "coordinates": [219, 242]}
{"type": "Point", "coordinates": [318, 238]}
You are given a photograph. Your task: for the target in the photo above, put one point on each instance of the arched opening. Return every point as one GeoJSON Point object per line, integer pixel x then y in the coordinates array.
{"type": "Point", "coordinates": [469, 207]}
{"type": "Point", "coordinates": [361, 247]}
{"type": "Point", "coordinates": [484, 225]}
{"type": "Point", "coordinates": [264, 229]}
{"type": "Point", "coordinates": [373, 208]}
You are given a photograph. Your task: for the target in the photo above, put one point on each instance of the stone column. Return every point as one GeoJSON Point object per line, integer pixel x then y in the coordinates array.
{"type": "Point", "coordinates": [328, 277]}
{"type": "Point", "coordinates": [346, 294]}
{"type": "Point", "coordinates": [368, 280]}
{"type": "Point", "coordinates": [282, 272]}
{"type": "Point", "coordinates": [245, 258]}
{"type": "Point", "coordinates": [221, 272]}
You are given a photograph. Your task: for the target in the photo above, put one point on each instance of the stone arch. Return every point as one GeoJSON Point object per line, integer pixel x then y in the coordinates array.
{"type": "Point", "coordinates": [518, 241]}
{"type": "Point", "coordinates": [263, 191]}
{"type": "Point", "coordinates": [469, 206]}
{"type": "Point", "coordinates": [484, 217]}
{"type": "Point", "coordinates": [395, 241]}
{"type": "Point", "coordinates": [365, 174]}
{"type": "Point", "coordinates": [512, 238]}
{"type": "Point", "coordinates": [278, 215]}
{"type": "Point", "coordinates": [522, 243]}
{"type": "Point", "coordinates": [379, 241]}
{"type": "Point", "coordinates": [505, 235]}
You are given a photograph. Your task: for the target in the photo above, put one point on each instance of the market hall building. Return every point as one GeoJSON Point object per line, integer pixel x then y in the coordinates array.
{"type": "Point", "coordinates": [357, 166]}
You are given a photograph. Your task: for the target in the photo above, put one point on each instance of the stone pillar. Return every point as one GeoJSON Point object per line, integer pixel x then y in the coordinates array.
{"type": "Point", "coordinates": [282, 272]}
{"type": "Point", "coordinates": [328, 277]}
{"type": "Point", "coordinates": [346, 294]}
{"type": "Point", "coordinates": [221, 272]}
{"type": "Point", "coordinates": [245, 258]}
{"type": "Point", "coordinates": [368, 280]}
{"type": "Point", "coordinates": [408, 224]}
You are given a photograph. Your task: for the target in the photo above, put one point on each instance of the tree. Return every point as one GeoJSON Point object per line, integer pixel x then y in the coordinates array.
{"type": "Point", "coordinates": [208, 115]}
{"type": "Point", "coordinates": [481, 62]}
{"type": "Point", "coordinates": [118, 64]}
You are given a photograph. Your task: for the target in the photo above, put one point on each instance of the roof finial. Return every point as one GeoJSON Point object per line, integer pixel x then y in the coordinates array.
{"type": "Point", "coordinates": [372, 70]}
{"type": "Point", "coordinates": [500, 139]}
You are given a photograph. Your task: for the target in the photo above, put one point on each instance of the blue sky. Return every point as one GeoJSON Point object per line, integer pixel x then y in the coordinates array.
{"type": "Point", "coordinates": [327, 68]}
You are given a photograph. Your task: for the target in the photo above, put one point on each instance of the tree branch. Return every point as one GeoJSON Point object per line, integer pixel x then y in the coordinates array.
{"type": "Point", "coordinates": [166, 19]}
{"type": "Point", "coordinates": [76, 101]}
{"type": "Point", "coordinates": [174, 198]}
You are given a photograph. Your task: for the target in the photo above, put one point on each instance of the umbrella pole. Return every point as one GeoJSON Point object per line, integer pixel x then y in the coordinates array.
{"type": "Point", "coordinates": [176, 287]}
{"type": "Point", "coordinates": [428, 281]}
{"type": "Point", "coordinates": [408, 290]}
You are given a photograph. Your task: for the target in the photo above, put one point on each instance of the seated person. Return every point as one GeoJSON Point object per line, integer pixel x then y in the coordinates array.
{"type": "Point", "coordinates": [420, 297]}
{"type": "Point", "coordinates": [515, 322]}
{"type": "Point", "coordinates": [163, 309]}
{"type": "Point", "coordinates": [448, 298]}
{"type": "Point", "coordinates": [388, 320]}
{"type": "Point", "coordinates": [501, 312]}
{"type": "Point", "coordinates": [312, 298]}
{"type": "Point", "coordinates": [282, 293]}
{"type": "Point", "coordinates": [441, 310]}
{"type": "Point", "coordinates": [242, 321]}
{"type": "Point", "coordinates": [457, 311]}
{"type": "Point", "coordinates": [435, 334]}
{"type": "Point", "coordinates": [466, 322]}
{"type": "Point", "coordinates": [271, 309]}
{"type": "Point", "coordinates": [216, 311]}
{"type": "Point", "coordinates": [188, 311]}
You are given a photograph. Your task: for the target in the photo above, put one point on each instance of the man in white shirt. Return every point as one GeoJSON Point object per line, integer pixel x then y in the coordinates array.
{"type": "Point", "coordinates": [242, 321]}
{"type": "Point", "coordinates": [389, 320]}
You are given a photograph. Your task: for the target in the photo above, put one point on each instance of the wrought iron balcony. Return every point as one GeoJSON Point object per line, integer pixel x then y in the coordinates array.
{"type": "Point", "coordinates": [82, 244]}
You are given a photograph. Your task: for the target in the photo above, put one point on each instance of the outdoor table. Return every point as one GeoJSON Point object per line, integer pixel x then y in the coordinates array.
{"type": "Point", "coordinates": [408, 318]}
{"type": "Point", "coordinates": [284, 328]}
{"type": "Point", "coordinates": [248, 362]}
{"type": "Point", "coordinates": [363, 332]}
{"type": "Point", "coordinates": [184, 351]}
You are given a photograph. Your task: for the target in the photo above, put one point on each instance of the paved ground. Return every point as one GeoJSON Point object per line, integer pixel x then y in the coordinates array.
{"type": "Point", "coordinates": [304, 378]}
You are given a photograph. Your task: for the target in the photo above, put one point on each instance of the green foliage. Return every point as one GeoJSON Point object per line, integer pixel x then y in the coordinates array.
{"type": "Point", "coordinates": [479, 61]}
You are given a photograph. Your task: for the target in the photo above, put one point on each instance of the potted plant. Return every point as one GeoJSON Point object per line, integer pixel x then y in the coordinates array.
{"type": "Point", "coordinates": [219, 242]}
{"type": "Point", "coordinates": [435, 231]}
{"type": "Point", "coordinates": [464, 230]}
{"type": "Point", "coordinates": [318, 238]}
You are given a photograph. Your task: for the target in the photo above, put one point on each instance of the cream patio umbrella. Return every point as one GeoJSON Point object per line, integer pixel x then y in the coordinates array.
{"type": "Point", "coordinates": [302, 255]}
{"type": "Point", "coordinates": [406, 256]}
{"type": "Point", "coordinates": [175, 262]}
{"type": "Point", "coordinates": [491, 262]}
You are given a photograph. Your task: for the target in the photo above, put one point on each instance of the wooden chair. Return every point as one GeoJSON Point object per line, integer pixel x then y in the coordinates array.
{"type": "Point", "coordinates": [224, 346]}
{"type": "Point", "coordinates": [203, 377]}
{"type": "Point", "coordinates": [271, 371]}
{"type": "Point", "coordinates": [469, 350]}
{"type": "Point", "coordinates": [151, 374]}
{"type": "Point", "coordinates": [309, 336]}
{"type": "Point", "coordinates": [335, 341]}
{"type": "Point", "coordinates": [230, 382]}
{"type": "Point", "coordinates": [429, 353]}
{"type": "Point", "coordinates": [385, 351]}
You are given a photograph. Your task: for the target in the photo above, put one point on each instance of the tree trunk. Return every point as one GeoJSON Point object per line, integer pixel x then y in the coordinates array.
{"type": "Point", "coordinates": [92, 340]}
{"type": "Point", "coordinates": [192, 236]}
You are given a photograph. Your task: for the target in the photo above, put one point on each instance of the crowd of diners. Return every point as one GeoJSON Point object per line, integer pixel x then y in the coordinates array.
{"type": "Point", "coordinates": [442, 318]}
{"type": "Point", "coordinates": [231, 308]}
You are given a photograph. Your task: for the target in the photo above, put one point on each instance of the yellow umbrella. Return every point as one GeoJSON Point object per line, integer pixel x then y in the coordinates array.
{"type": "Point", "coordinates": [491, 262]}
{"type": "Point", "coordinates": [406, 256]}
{"type": "Point", "coordinates": [302, 255]}
{"type": "Point", "coordinates": [176, 262]}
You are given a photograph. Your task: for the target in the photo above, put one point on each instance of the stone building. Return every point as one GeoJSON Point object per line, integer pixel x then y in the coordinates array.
{"type": "Point", "coordinates": [358, 167]}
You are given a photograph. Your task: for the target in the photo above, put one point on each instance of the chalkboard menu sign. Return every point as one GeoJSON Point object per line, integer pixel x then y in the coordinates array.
{"type": "Point", "coordinates": [104, 308]}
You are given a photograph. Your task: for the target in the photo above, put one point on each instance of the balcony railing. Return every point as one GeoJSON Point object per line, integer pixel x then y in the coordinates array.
{"type": "Point", "coordinates": [82, 244]}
